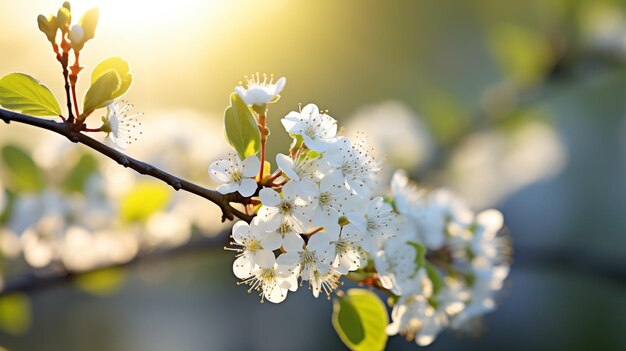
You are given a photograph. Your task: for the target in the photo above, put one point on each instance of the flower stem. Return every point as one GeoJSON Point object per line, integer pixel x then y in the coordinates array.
{"type": "Point", "coordinates": [264, 132]}
{"type": "Point", "coordinates": [273, 177]}
{"type": "Point", "coordinates": [63, 59]}
{"type": "Point", "coordinates": [75, 69]}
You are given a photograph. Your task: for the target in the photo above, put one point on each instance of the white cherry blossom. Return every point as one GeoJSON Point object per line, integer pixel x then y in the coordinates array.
{"type": "Point", "coordinates": [269, 282]}
{"type": "Point", "coordinates": [355, 163]}
{"type": "Point", "coordinates": [318, 129]}
{"type": "Point", "coordinates": [260, 90]}
{"type": "Point", "coordinates": [302, 167]}
{"type": "Point", "coordinates": [120, 126]}
{"type": "Point", "coordinates": [331, 199]}
{"type": "Point", "coordinates": [233, 175]}
{"type": "Point", "coordinates": [293, 207]}
{"type": "Point", "coordinates": [379, 222]}
{"type": "Point", "coordinates": [396, 266]}
{"type": "Point", "coordinates": [313, 262]}
{"type": "Point", "coordinates": [250, 250]}
{"type": "Point", "coordinates": [349, 253]}
{"type": "Point", "coordinates": [284, 236]}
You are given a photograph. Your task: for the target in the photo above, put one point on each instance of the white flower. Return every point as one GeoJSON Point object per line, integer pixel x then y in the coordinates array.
{"type": "Point", "coordinates": [413, 309]}
{"type": "Point", "coordinates": [406, 195]}
{"type": "Point", "coordinates": [284, 235]}
{"type": "Point", "coordinates": [378, 223]}
{"type": "Point", "coordinates": [331, 200]}
{"type": "Point", "coordinates": [349, 255]}
{"type": "Point", "coordinates": [326, 283]}
{"type": "Point", "coordinates": [269, 282]}
{"type": "Point", "coordinates": [318, 130]}
{"type": "Point", "coordinates": [397, 267]}
{"type": "Point", "coordinates": [250, 252]}
{"type": "Point", "coordinates": [294, 207]}
{"type": "Point", "coordinates": [234, 175]}
{"type": "Point", "coordinates": [260, 92]}
{"type": "Point", "coordinates": [313, 263]}
{"type": "Point", "coordinates": [486, 281]}
{"type": "Point", "coordinates": [119, 125]}
{"type": "Point", "coordinates": [302, 167]}
{"type": "Point", "coordinates": [486, 243]}
{"type": "Point", "coordinates": [355, 163]}
{"type": "Point", "coordinates": [422, 317]}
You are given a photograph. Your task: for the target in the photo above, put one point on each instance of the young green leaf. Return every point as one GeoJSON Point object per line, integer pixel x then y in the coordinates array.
{"type": "Point", "coordinates": [360, 319]}
{"type": "Point", "coordinates": [143, 200]}
{"type": "Point", "coordinates": [101, 92]}
{"type": "Point", "coordinates": [89, 21]}
{"type": "Point", "coordinates": [15, 313]}
{"type": "Point", "coordinates": [242, 131]}
{"type": "Point", "coordinates": [77, 177]}
{"type": "Point", "coordinates": [435, 278]}
{"type": "Point", "coordinates": [118, 65]}
{"type": "Point", "coordinates": [23, 93]}
{"type": "Point", "coordinates": [103, 282]}
{"type": "Point", "coordinates": [24, 174]}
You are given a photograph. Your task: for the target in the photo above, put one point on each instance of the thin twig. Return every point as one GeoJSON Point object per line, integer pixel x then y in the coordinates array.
{"type": "Point", "coordinates": [73, 134]}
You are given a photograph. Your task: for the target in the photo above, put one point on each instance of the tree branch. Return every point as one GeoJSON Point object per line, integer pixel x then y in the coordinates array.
{"type": "Point", "coordinates": [72, 132]}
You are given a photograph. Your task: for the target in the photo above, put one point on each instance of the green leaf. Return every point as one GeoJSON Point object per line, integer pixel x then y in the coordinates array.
{"type": "Point", "coordinates": [446, 116]}
{"type": "Point", "coordinates": [434, 277]}
{"type": "Point", "coordinates": [242, 131]}
{"type": "Point", "coordinates": [420, 258]}
{"type": "Point", "coordinates": [101, 92]}
{"type": "Point", "coordinates": [23, 93]}
{"type": "Point", "coordinates": [77, 177]}
{"type": "Point", "coordinates": [523, 53]}
{"type": "Point", "coordinates": [15, 313]}
{"type": "Point", "coordinates": [144, 200]}
{"type": "Point", "coordinates": [360, 319]}
{"type": "Point", "coordinates": [102, 282]}
{"type": "Point", "coordinates": [89, 22]}
{"type": "Point", "coordinates": [24, 174]}
{"type": "Point", "coordinates": [118, 65]}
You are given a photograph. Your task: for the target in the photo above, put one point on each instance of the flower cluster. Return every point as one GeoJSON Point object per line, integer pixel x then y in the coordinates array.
{"type": "Point", "coordinates": [318, 220]}
{"type": "Point", "coordinates": [446, 264]}
{"type": "Point", "coordinates": [315, 216]}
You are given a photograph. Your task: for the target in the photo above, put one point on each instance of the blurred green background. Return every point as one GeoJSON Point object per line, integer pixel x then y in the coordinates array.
{"type": "Point", "coordinates": [475, 74]}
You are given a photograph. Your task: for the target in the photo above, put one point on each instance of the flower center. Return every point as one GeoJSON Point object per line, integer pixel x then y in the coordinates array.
{"type": "Point", "coordinates": [236, 176]}
{"type": "Point", "coordinates": [311, 132]}
{"type": "Point", "coordinates": [308, 258]}
{"type": "Point", "coordinates": [285, 207]}
{"type": "Point", "coordinates": [284, 228]}
{"type": "Point", "coordinates": [253, 245]}
{"type": "Point", "coordinates": [325, 198]}
{"type": "Point", "coordinates": [267, 275]}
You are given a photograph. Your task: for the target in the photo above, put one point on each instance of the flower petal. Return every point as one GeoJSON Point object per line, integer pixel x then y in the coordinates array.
{"type": "Point", "coordinates": [251, 166]}
{"type": "Point", "coordinates": [286, 164]}
{"type": "Point", "coordinates": [269, 197]}
{"type": "Point", "coordinates": [227, 188]}
{"type": "Point", "coordinates": [264, 258]}
{"type": "Point", "coordinates": [242, 267]}
{"type": "Point", "coordinates": [247, 187]}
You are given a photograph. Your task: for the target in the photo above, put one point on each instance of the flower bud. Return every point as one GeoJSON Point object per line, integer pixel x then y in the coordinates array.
{"type": "Point", "coordinates": [64, 17]}
{"type": "Point", "coordinates": [48, 26]}
{"type": "Point", "coordinates": [77, 36]}
{"type": "Point", "coordinates": [89, 21]}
